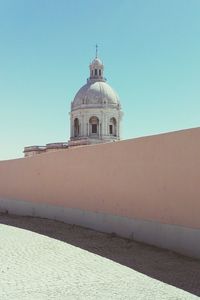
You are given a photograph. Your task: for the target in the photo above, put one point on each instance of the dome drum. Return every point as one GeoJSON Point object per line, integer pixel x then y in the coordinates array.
{"type": "Point", "coordinates": [95, 124]}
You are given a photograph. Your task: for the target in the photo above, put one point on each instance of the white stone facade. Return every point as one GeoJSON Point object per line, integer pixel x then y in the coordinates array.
{"type": "Point", "coordinates": [95, 111]}
{"type": "Point", "coordinates": [102, 118]}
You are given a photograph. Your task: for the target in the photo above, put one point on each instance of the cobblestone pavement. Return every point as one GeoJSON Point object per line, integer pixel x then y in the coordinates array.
{"type": "Point", "coordinates": [45, 259]}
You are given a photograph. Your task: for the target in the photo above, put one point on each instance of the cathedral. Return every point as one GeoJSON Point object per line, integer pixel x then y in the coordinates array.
{"type": "Point", "coordinates": [95, 115]}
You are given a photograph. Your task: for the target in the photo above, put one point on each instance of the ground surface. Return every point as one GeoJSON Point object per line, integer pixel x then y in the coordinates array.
{"type": "Point", "coordinates": [44, 259]}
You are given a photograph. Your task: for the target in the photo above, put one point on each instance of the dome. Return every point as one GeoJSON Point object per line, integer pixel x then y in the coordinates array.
{"type": "Point", "coordinates": [96, 93]}
{"type": "Point", "coordinates": [97, 61]}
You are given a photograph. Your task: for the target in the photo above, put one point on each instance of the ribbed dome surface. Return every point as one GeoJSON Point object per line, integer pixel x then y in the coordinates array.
{"type": "Point", "coordinates": [96, 93]}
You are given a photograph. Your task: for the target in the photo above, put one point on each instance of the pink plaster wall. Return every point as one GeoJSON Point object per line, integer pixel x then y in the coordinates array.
{"type": "Point", "coordinates": [152, 178]}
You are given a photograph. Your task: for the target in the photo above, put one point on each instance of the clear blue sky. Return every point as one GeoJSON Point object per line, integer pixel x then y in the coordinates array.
{"type": "Point", "coordinates": [151, 53]}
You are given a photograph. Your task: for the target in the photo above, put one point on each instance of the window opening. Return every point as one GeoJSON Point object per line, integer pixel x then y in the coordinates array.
{"type": "Point", "coordinates": [76, 127]}
{"type": "Point", "coordinates": [94, 128]}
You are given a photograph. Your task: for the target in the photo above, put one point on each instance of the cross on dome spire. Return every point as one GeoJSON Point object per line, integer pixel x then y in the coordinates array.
{"type": "Point", "coordinates": [96, 51]}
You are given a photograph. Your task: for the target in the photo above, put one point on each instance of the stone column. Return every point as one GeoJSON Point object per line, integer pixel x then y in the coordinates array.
{"type": "Point", "coordinates": [118, 125]}
{"type": "Point", "coordinates": [104, 125]}
{"type": "Point", "coordinates": [83, 126]}
{"type": "Point", "coordinates": [72, 127]}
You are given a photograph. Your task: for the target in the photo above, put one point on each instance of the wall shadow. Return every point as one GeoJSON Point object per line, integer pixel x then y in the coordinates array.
{"type": "Point", "coordinates": [166, 266]}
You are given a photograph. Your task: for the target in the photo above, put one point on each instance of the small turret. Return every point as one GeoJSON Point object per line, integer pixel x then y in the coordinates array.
{"type": "Point", "coordinates": [96, 69]}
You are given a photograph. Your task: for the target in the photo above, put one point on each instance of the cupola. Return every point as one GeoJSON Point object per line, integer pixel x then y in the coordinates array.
{"type": "Point", "coordinates": [96, 69]}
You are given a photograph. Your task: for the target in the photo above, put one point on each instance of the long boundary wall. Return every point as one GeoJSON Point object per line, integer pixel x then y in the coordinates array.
{"type": "Point", "coordinates": [147, 189]}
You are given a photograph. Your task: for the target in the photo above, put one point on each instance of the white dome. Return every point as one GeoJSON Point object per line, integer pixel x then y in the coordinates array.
{"type": "Point", "coordinates": [97, 61]}
{"type": "Point", "coordinates": [96, 93]}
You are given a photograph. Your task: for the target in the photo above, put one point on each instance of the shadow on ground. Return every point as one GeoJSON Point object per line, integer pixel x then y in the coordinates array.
{"type": "Point", "coordinates": [166, 266]}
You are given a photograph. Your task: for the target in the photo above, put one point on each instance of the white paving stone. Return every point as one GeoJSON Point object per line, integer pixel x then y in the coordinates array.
{"type": "Point", "coordinates": [33, 266]}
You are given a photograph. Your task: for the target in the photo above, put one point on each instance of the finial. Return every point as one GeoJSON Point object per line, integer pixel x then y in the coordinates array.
{"type": "Point", "coordinates": [96, 51]}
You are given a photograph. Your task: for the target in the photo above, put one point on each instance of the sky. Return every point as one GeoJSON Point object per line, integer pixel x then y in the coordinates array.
{"type": "Point", "coordinates": [150, 50]}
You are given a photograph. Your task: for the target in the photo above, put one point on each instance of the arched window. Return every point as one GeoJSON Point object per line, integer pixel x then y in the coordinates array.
{"type": "Point", "coordinates": [99, 72]}
{"type": "Point", "coordinates": [76, 127]}
{"type": "Point", "coordinates": [95, 72]}
{"type": "Point", "coordinates": [113, 127]}
{"type": "Point", "coordinates": [94, 126]}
